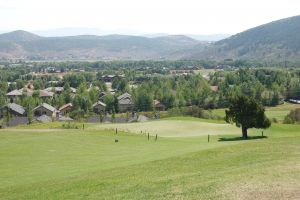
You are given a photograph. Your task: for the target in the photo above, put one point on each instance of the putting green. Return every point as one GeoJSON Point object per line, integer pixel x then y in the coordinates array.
{"type": "Point", "coordinates": [174, 128]}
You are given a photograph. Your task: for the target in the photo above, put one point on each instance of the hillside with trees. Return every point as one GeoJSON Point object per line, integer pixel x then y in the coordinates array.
{"type": "Point", "coordinates": [278, 40]}
{"type": "Point", "coordinates": [28, 46]}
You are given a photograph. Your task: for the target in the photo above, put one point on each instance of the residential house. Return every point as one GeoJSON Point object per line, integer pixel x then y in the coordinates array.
{"type": "Point", "coordinates": [125, 102]}
{"type": "Point", "coordinates": [45, 109]}
{"type": "Point", "coordinates": [15, 110]}
{"type": "Point", "coordinates": [63, 110]}
{"type": "Point", "coordinates": [214, 88]}
{"type": "Point", "coordinates": [56, 90]}
{"type": "Point", "coordinates": [45, 94]}
{"type": "Point", "coordinates": [158, 105]}
{"type": "Point", "coordinates": [13, 95]}
{"type": "Point", "coordinates": [98, 107]}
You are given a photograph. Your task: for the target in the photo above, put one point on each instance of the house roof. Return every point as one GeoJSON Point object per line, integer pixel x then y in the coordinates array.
{"type": "Point", "coordinates": [47, 106]}
{"type": "Point", "coordinates": [73, 90]}
{"type": "Point", "coordinates": [214, 88]}
{"type": "Point", "coordinates": [65, 119]}
{"type": "Point", "coordinates": [45, 93]}
{"type": "Point", "coordinates": [55, 89]}
{"type": "Point", "coordinates": [124, 96]}
{"type": "Point", "coordinates": [15, 93]}
{"type": "Point", "coordinates": [65, 106]}
{"type": "Point", "coordinates": [17, 108]}
{"type": "Point", "coordinates": [125, 101]}
{"type": "Point", "coordinates": [99, 103]}
{"type": "Point", "coordinates": [44, 119]}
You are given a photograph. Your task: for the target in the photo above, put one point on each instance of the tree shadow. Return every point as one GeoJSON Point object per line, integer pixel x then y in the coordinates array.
{"type": "Point", "coordinates": [241, 138]}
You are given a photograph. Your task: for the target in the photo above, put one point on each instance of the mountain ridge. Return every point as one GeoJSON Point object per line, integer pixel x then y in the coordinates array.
{"type": "Point", "coordinates": [275, 40]}
{"type": "Point", "coordinates": [25, 45]}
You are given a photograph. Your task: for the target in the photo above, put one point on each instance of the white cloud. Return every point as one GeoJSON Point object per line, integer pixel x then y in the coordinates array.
{"type": "Point", "coordinates": [171, 16]}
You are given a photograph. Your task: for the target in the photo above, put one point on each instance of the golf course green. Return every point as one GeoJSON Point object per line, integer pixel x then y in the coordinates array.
{"type": "Point", "coordinates": [49, 162]}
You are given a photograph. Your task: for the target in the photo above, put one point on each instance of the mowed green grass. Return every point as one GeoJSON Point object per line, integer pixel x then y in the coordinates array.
{"type": "Point", "coordinates": [175, 127]}
{"type": "Point", "coordinates": [277, 112]}
{"type": "Point", "coordinates": [88, 164]}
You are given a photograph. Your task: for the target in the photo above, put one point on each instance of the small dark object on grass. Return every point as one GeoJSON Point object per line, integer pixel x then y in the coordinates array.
{"type": "Point", "coordinates": [155, 137]}
{"type": "Point", "coordinates": [116, 140]}
{"type": "Point", "coordinates": [148, 136]}
{"type": "Point", "coordinates": [208, 137]}
{"type": "Point", "coordinates": [241, 138]}
{"type": "Point", "coordinates": [116, 131]}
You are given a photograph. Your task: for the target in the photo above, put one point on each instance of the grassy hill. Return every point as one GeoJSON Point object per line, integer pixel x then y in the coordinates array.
{"type": "Point", "coordinates": [278, 40]}
{"type": "Point", "coordinates": [43, 163]}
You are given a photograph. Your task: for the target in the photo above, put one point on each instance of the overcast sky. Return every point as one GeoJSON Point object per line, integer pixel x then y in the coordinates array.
{"type": "Point", "coordinates": [151, 16]}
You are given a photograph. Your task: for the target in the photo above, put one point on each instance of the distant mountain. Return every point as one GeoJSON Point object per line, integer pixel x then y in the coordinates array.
{"type": "Point", "coordinates": [203, 38]}
{"type": "Point", "coordinates": [19, 35]}
{"type": "Point", "coordinates": [73, 31]}
{"type": "Point", "coordinates": [25, 45]}
{"type": "Point", "coordinates": [278, 40]}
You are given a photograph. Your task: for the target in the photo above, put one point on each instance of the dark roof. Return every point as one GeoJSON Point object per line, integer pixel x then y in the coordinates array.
{"type": "Point", "coordinates": [47, 106]}
{"type": "Point", "coordinates": [99, 103]}
{"type": "Point", "coordinates": [16, 108]}
{"type": "Point", "coordinates": [124, 96]}
{"type": "Point", "coordinates": [18, 121]}
{"type": "Point", "coordinates": [64, 119]}
{"type": "Point", "coordinates": [44, 119]}
{"type": "Point", "coordinates": [125, 102]}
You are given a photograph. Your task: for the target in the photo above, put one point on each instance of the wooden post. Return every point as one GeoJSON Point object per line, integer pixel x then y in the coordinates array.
{"type": "Point", "coordinates": [155, 137]}
{"type": "Point", "coordinates": [262, 134]}
{"type": "Point", "coordinates": [208, 138]}
{"type": "Point", "coordinates": [83, 126]}
{"type": "Point", "coordinates": [116, 131]}
{"type": "Point", "coordinates": [148, 136]}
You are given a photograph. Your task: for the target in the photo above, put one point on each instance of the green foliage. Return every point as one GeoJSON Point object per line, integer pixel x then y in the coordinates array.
{"type": "Point", "coordinates": [121, 85]}
{"type": "Point", "coordinates": [111, 102]}
{"type": "Point", "coordinates": [292, 117]}
{"type": "Point", "coordinates": [29, 104]}
{"type": "Point", "coordinates": [278, 41]}
{"type": "Point", "coordinates": [143, 100]}
{"type": "Point", "coordinates": [246, 113]}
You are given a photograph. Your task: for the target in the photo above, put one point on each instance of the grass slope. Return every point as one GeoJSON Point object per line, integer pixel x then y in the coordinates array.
{"type": "Point", "coordinates": [176, 127]}
{"type": "Point", "coordinates": [77, 164]}
{"type": "Point", "coordinates": [278, 112]}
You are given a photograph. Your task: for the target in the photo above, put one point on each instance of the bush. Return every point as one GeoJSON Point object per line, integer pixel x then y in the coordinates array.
{"type": "Point", "coordinates": [274, 120]}
{"type": "Point", "coordinates": [70, 126]}
{"type": "Point", "coordinates": [292, 117]}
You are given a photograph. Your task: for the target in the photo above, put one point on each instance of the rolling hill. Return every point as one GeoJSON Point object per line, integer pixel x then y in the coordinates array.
{"type": "Point", "coordinates": [277, 40]}
{"type": "Point", "coordinates": [25, 45]}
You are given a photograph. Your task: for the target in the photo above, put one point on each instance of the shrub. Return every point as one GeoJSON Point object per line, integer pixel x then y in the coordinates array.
{"type": "Point", "coordinates": [292, 117]}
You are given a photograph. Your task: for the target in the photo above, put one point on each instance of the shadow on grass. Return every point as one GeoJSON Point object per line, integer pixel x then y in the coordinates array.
{"type": "Point", "coordinates": [240, 138]}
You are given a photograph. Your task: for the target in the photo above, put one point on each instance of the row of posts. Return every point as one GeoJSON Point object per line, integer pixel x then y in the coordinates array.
{"type": "Point", "coordinates": [148, 136]}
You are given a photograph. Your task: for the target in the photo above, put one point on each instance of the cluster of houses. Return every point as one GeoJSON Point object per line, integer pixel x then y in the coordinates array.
{"type": "Point", "coordinates": [48, 113]}
{"type": "Point", "coordinates": [43, 94]}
